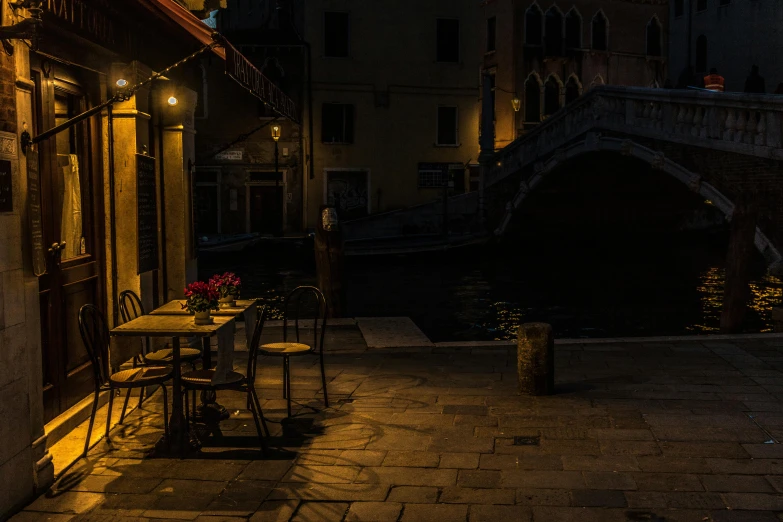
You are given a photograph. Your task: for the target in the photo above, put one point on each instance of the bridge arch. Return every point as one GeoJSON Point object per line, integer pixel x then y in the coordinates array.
{"type": "Point", "coordinates": [593, 142]}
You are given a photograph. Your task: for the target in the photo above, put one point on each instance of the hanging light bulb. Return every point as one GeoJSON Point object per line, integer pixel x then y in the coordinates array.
{"type": "Point", "coordinates": [172, 101]}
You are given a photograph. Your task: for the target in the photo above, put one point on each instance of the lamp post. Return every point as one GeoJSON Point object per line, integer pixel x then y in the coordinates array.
{"type": "Point", "coordinates": [276, 137]}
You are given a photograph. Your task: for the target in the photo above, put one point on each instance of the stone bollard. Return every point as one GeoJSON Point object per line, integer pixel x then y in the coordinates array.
{"type": "Point", "coordinates": [536, 359]}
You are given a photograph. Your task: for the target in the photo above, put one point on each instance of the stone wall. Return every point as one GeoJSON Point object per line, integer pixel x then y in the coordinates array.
{"type": "Point", "coordinates": [738, 35]}
{"type": "Point", "coordinates": [25, 466]}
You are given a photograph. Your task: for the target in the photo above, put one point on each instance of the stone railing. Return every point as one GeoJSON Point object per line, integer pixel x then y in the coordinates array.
{"type": "Point", "coordinates": [736, 122]}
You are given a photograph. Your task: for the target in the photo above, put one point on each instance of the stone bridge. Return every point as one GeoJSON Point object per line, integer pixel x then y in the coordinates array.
{"type": "Point", "coordinates": [722, 146]}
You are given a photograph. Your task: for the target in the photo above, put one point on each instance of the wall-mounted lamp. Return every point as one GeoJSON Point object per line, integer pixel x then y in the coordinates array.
{"type": "Point", "coordinates": [172, 101]}
{"type": "Point", "coordinates": [275, 132]}
{"type": "Point", "coordinates": [515, 103]}
{"type": "Point", "coordinates": [25, 140]}
{"type": "Point", "coordinates": [27, 29]}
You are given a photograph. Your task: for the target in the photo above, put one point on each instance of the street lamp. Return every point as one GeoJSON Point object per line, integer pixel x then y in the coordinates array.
{"type": "Point", "coordinates": [515, 103]}
{"type": "Point", "coordinates": [276, 137]}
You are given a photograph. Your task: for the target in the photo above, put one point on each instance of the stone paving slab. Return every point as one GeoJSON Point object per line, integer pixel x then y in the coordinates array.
{"type": "Point", "coordinates": [391, 332]}
{"type": "Point", "coordinates": [674, 431]}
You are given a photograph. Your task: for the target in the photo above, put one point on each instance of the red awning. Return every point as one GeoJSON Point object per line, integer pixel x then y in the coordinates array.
{"type": "Point", "coordinates": [185, 19]}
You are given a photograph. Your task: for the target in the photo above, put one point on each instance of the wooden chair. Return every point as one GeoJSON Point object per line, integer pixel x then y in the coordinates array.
{"type": "Point", "coordinates": [95, 335]}
{"type": "Point", "coordinates": [287, 349]}
{"type": "Point", "coordinates": [235, 381]}
{"type": "Point", "coordinates": [131, 308]}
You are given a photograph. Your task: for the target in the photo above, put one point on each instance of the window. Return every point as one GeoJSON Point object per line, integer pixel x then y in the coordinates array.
{"type": "Point", "coordinates": [533, 21]}
{"type": "Point", "coordinates": [573, 30]}
{"type": "Point", "coordinates": [571, 90]}
{"type": "Point", "coordinates": [447, 126]}
{"type": "Point", "coordinates": [679, 7]}
{"type": "Point", "coordinates": [551, 96]}
{"type": "Point", "coordinates": [336, 34]}
{"type": "Point", "coordinates": [701, 5]}
{"type": "Point", "coordinates": [337, 123]}
{"type": "Point", "coordinates": [553, 32]}
{"type": "Point", "coordinates": [532, 99]}
{"type": "Point", "coordinates": [447, 40]}
{"type": "Point", "coordinates": [653, 37]}
{"type": "Point", "coordinates": [701, 54]}
{"type": "Point", "coordinates": [491, 26]}
{"type": "Point", "coordinates": [599, 36]}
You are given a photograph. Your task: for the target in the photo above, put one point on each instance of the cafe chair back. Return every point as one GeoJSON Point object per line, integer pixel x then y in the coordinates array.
{"type": "Point", "coordinates": [130, 309]}
{"type": "Point", "coordinates": [95, 336]}
{"type": "Point", "coordinates": [234, 381]}
{"type": "Point", "coordinates": [303, 304]}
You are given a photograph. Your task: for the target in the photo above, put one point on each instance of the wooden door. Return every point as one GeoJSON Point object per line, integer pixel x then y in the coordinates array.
{"type": "Point", "coordinates": [266, 209]}
{"type": "Point", "coordinates": [71, 203]}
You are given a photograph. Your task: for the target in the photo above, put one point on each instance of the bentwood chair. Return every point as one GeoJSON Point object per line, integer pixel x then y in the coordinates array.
{"type": "Point", "coordinates": [235, 381]}
{"type": "Point", "coordinates": [95, 335]}
{"type": "Point", "coordinates": [288, 349]}
{"type": "Point", "coordinates": [131, 308]}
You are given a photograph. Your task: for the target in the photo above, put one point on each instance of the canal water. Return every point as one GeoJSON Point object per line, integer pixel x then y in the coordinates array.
{"type": "Point", "coordinates": [585, 287]}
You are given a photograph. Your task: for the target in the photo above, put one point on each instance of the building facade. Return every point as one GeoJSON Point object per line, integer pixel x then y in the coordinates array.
{"type": "Point", "coordinates": [545, 55]}
{"type": "Point", "coordinates": [240, 188]}
{"type": "Point", "coordinates": [394, 108]}
{"type": "Point", "coordinates": [730, 35]}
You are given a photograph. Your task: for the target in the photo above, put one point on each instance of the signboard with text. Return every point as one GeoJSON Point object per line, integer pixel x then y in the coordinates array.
{"type": "Point", "coordinates": [147, 213]}
{"type": "Point", "coordinates": [240, 69]}
{"type": "Point", "coordinates": [34, 208]}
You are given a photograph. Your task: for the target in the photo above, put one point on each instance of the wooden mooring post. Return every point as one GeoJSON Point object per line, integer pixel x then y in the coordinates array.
{"type": "Point", "coordinates": [740, 255]}
{"type": "Point", "coordinates": [329, 251]}
{"type": "Point", "coordinates": [536, 359]}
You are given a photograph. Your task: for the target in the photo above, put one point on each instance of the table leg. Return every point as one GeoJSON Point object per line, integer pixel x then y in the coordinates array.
{"type": "Point", "coordinates": [179, 430]}
{"type": "Point", "coordinates": [206, 353]}
{"type": "Point", "coordinates": [209, 411]}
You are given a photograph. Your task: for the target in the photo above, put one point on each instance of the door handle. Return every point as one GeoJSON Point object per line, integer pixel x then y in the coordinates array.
{"type": "Point", "coordinates": [54, 248]}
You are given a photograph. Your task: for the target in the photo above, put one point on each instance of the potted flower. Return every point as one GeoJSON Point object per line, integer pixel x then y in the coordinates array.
{"type": "Point", "coordinates": [228, 286]}
{"type": "Point", "coordinates": [200, 299]}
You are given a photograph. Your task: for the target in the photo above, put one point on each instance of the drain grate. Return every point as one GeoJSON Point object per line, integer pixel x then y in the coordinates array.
{"type": "Point", "coordinates": [527, 441]}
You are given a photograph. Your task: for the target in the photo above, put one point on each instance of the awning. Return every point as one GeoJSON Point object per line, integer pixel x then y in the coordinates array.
{"type": "Point", "coordinates": [237, 66]}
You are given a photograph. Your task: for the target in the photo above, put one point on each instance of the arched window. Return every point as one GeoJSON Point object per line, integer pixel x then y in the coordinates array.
{"type": "Point", "coordinates": [551, 96]}
{"type": "Point", "coordinates": [572, 89]}
{"type": "Point", "coordinates": [533, 99]}
{"type": "Point", "coordinates": [599, 32]}
{"type": "Point", "coordinates": [533, 21]}
{"type": "Point", "coordinates": [701, 54]}
{"type": "Point", "coordinates": [679, 7]}
{"type": "Point", "coordinates": [573, 30]}
{"type": "Point", "coordinates": [553, 32]}
{"type": "Point", "coordinates": [654, 37]}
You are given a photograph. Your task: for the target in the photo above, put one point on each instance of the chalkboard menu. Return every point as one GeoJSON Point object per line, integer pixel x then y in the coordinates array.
{"type": "Point", "coordinates": [36, 224]}
{"type": "Point", "coordinates": [147, 213]}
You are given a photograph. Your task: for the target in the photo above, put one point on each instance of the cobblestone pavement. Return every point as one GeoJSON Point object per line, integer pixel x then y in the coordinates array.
{"type": "Point", "coordinates": [676, 432]}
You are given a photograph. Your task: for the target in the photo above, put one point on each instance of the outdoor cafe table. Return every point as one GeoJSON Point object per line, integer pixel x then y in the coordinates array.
{"type": "Point", "coordinates": [175, 326]}
{"type": "Point", "coordinates": [243, 307]}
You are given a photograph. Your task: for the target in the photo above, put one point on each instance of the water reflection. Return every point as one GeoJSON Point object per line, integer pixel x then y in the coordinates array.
{"type": "Point", "coordinates": [594, 288]}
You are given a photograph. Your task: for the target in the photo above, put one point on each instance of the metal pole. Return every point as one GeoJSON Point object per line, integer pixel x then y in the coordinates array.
{"type": "Point", "coordinates": [277, 180]}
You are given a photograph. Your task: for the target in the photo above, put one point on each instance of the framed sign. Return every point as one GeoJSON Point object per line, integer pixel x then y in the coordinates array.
{"type": "Point", "coordinates": [146, 213]}
{"type": "Point", "coordinates": [34, 208]}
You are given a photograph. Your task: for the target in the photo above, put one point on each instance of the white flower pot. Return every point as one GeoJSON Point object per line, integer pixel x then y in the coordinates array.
{"type": "Point", "coordinates": [227, 302]}
{"type": "Point", "coordinates": [202, 318]}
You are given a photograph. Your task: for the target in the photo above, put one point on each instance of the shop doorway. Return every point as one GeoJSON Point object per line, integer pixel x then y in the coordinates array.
{"type": "Point", "coordinates": [71, 188]}
{"type": "Point", "coordinates": [207, 196]}
{"type": "Point", "coordinates": [265, 203]}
